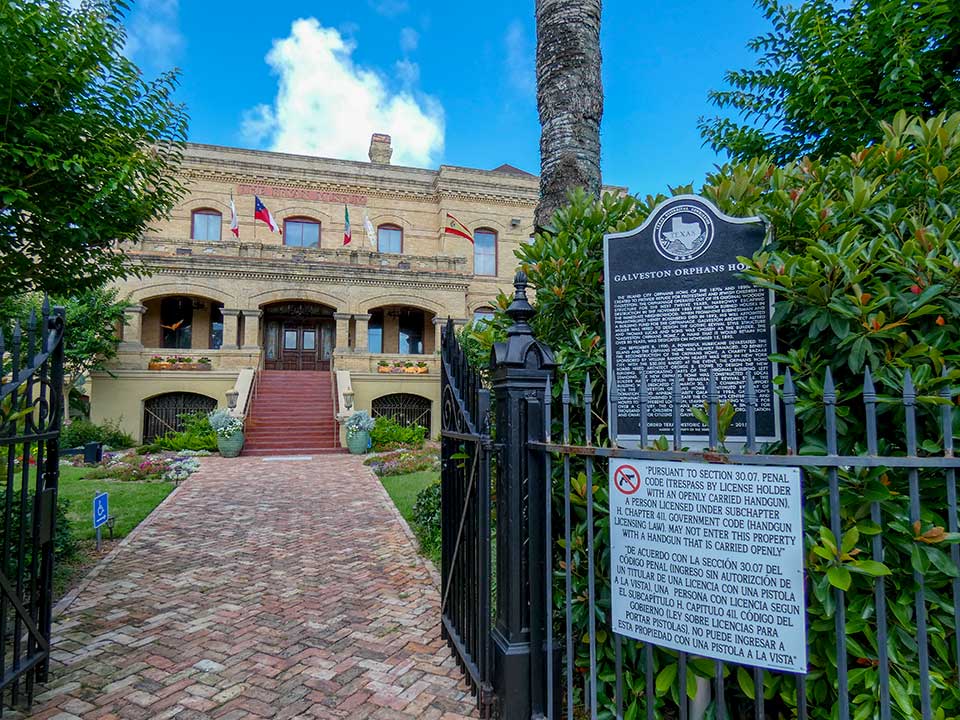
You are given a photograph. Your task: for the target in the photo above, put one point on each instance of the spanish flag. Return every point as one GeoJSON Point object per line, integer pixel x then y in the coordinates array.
{"type": "Point", "coordinates": [455, 227]}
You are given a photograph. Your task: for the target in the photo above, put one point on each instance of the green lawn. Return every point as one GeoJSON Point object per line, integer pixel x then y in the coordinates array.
{"type": "Point", "coordinates": [403, 491]}
{"type": "Point", "coordinates": [130, 502]}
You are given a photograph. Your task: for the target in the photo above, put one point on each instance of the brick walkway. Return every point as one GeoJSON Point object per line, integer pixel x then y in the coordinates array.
{"type": "Point", "coordinates": [274, 589]}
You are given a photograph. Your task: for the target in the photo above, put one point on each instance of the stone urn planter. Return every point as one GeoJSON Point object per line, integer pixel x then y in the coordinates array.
{"type": "Point", "coordinates": [358, 442]}
{"type": "Point", "coordinates": [230, 447]}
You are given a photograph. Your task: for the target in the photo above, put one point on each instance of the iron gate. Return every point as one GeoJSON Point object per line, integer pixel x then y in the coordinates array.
{"type": "Point", "coordinates": [163, 413]}
{"type": "Point", "coordinates": [465, 510]}
{"type": "Point", "coordinates": [554, 652]}
{"type": "Point", "coordinates": [31, 407]}
{"type": "Point", "coordinates": [405, 408]}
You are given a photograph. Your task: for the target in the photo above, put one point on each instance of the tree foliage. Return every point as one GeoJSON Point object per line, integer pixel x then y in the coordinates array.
{"type": "Point", "coordinates": [88, 147]}
{"type": "Point", "coordinates": [90, 332]}
{"type": "Point", "coordinates": [828, 73]}
{"type": "Point", "coordinates": [865, 264]}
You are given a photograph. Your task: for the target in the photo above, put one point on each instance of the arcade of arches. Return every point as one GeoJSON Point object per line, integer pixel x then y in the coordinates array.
{"type": "Point", "coordinates": [293, 335]}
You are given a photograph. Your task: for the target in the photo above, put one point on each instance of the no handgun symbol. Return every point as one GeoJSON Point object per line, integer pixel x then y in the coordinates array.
{"type": "Point", "coordinates": [627, 479]}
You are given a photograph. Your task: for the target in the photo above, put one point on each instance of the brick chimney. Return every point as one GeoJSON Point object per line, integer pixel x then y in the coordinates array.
{"type": "Point", "coordinates": [380, 150]}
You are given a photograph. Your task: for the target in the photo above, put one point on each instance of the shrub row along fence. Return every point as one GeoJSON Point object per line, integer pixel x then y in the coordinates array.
{"type": "Point", "coordinates": [881, 580]}
{"type": "Point", "coordinates": [31, 408]}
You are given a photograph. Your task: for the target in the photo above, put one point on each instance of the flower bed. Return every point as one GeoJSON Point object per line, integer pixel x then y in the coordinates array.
{"type": "Point", "coordinates": [130, 466]}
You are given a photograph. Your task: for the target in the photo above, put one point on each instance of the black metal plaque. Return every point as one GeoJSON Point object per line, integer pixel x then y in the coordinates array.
{"type": "Point", "coordinates": [676, 306]}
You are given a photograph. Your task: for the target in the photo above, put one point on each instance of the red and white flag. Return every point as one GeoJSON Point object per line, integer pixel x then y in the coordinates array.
{"type": "Point", "coordinates": [260, 212]}
{"type": "Point", "coordinates": [455, 227]}
{"type": "Point", "coordinates": [234, 220]}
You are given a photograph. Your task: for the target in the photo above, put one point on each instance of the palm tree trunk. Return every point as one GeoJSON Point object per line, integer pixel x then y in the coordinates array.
{"type": "Point", "coordinates": [569, 99]}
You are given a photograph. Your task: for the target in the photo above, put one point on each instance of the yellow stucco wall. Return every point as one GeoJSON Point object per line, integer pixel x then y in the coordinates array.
{"type": "Point", "coordinates": [368, 387]}
{"type": "Point", "coordinates": [120, 399]}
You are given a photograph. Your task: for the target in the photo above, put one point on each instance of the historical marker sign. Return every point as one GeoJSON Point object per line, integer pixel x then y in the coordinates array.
{"type": "Point", "coordinates": [708, 559]}
{"type": "Point", "coordinates": [674, 304]}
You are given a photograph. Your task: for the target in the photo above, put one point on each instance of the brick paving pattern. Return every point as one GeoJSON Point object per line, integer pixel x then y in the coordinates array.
{"type": "Point", "coordinates": [261, 589]}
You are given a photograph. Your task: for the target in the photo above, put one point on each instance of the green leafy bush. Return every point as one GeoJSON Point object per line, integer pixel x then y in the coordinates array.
{"type": "Point", "coordinates": [387, 434]}
{"type": "Point", "coordinates": [79, 432]}
{"type": "Point", "coordinates": [197, 434]}
{"type": "Point", "coordinates": [866, 266]}
{"type": "Point", "coordinates": [426, 519]}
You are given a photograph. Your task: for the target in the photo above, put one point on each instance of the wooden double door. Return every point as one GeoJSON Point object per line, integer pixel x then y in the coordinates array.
{"type": "Point", "coordinates": [300, 344]}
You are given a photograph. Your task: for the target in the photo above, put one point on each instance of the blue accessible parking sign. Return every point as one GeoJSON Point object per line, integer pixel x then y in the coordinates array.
{"type": "Point", "coordinates": [101, 509]}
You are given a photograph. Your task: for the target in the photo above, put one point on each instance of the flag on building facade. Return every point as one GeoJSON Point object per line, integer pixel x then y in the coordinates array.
{"type": "Point", "coordinates": [371, 233]}
{"type": "Point", "coordinates": [347, 235]}
{"type": "Point", "coordinates": [234, 220]}
{"type": "Point", "coordinates": [260, 212]}
{"type": "Point", "coordinates": [455, 227]}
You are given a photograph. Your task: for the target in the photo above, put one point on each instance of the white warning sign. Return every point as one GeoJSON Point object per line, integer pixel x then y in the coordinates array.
{"type": "Point", "coordinates": [708, 559]}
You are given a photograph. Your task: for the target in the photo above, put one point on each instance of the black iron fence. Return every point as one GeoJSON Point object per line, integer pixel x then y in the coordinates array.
{"type": "Point", "coordinates": [466, 531]}
{"type": "Point", "coordinates": [880, 553]}
{"type": "Point", "coordinates": [31, 407]}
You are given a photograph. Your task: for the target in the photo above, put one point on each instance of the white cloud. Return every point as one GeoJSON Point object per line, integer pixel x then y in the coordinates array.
{"type": "Point", "coordinates": [519, 59]}
{"type": "Point", "coordinates": [326, 105]}
{"type": "Point", "coordinates": [153, 34]}
{"type": "Point", "coordinates": [409, 39]}
{"type": "Point", "coordinates": [408, 72]}
{"type": "Point", "coordinates": [389, 8]}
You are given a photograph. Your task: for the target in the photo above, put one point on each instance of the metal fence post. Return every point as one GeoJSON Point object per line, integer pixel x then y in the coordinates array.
{"type": "Point", "coordinates": [520, 369]}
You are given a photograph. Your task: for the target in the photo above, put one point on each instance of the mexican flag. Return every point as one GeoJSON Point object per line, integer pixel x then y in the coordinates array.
{"type": "Point", "coordinates": [347, 237]}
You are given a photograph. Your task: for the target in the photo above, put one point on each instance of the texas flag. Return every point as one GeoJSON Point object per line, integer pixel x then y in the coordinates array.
{"type": "Point", "coordinates": [260, 212]}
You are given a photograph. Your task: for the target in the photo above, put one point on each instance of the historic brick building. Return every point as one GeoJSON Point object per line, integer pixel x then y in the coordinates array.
{"type": "Point", "coordinates": [247, 309]}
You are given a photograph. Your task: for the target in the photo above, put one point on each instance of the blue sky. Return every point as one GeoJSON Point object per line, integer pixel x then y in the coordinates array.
{"type": "Point", "coordinates": [452, 82]}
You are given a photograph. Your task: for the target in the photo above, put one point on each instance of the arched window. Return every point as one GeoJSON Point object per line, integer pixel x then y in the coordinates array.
{"type": "Point", "coordinates": [484, 252]}
{"type": "Point", "coordinates": [389, 239]}
{"type": "Point", "coordinates": [483, 315]}
{"type": "Point", "coordinates": [301, 232]}
{"type": "Point", "coordinates": [164, 413]}
{"type": "Point", "coordinates": [205, 224]}
{"type": "Point", "coordinates": [404, 408]}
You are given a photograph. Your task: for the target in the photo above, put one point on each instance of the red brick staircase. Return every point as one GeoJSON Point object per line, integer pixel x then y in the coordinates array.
{"type": "Point", "coordinates": [292, 414]}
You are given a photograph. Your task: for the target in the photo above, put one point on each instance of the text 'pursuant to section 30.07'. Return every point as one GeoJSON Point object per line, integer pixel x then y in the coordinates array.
{"type": "Point", "coordinates": [708, 559]}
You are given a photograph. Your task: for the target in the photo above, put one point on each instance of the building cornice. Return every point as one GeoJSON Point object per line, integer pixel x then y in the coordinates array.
{"type": "Point", "coordinates": [249, 167]}
{"type": "Point", "coordinates": [308, 273]}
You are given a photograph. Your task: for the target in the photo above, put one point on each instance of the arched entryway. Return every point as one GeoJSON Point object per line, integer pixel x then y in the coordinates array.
{"type": "Point", "coordinates": [164, 413]}
{"type": "Point", "coordinates": [298, 336]}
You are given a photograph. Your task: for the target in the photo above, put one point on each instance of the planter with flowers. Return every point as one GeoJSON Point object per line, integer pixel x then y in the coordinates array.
{"type": "Point", "coordinates": [359, 425]}
{"type": "Point", "coordinates": [422, 368]}
{"type": "Point", "coordinates": [229, 431]}
{"type": "Point", "coordinates": [383, 366]}
{"type": "Point", "coordinates": [409, 367]}
{"type": "Point", "coordinates": [397, 367]}
{"type": "Point", "coordinates": [178, 362]}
